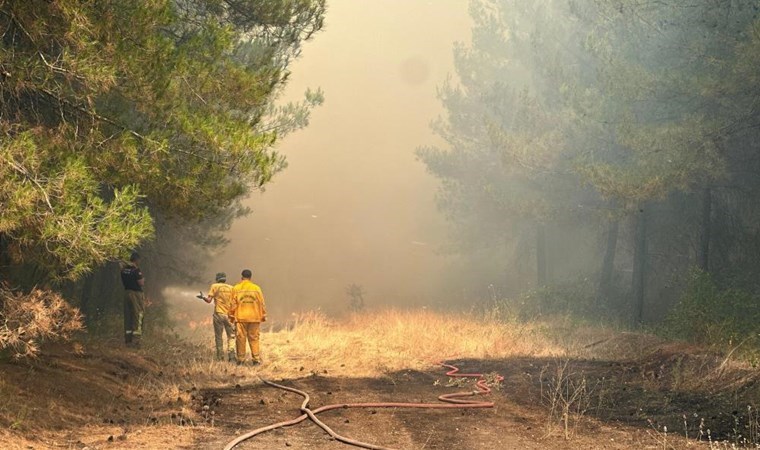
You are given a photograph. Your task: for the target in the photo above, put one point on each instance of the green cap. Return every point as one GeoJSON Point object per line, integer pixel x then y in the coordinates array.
{"type": "Point", "coordinates": [221, 276]}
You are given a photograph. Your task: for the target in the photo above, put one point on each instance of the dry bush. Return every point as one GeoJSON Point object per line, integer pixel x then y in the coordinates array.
{"type": "Point", "coordinates": [28, 319]}
{"type": "Point", "coordinates": [567, 395]}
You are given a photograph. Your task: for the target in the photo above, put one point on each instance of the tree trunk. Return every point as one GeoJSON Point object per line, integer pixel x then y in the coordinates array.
{"type": "Point", "coordinates": [703, 253]}
{"type": "Point", "coordinates": [541, 254]}
{"type": "Point", "coordinates": [639, 266]}
{"type": "Point", "coordinates": [605, 277]}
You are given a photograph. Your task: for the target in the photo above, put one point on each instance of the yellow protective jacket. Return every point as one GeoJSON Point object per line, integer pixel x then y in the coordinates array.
{"type": "Point", "coordinates": [221, 294]}
{"type": "Point", "coordinates": [248, 303]}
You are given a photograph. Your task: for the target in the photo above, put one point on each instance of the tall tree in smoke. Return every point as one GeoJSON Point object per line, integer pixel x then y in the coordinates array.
{"type": "Point", "coordinates": [117, 112]}
{"type": "Point", "coordinates": [604, 111]}
{"type": "Point", "coordinates": [661, 74]}
{"type": "Point", "coordinates": [508, 170]}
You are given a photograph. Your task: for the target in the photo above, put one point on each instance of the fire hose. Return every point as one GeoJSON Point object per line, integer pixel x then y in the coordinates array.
{"type": "Point", "coordinates": [449, 401]}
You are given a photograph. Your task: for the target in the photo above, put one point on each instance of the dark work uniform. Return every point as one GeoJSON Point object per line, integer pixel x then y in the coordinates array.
{"type": "Point", "coordinates": [134, 304]}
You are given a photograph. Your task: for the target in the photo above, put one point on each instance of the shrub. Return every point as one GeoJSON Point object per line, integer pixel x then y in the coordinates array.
{"type": "Point", "coordinates": [710, 314]}
{"type": "Point", "coordinates": [356, 297]}
{"type": "Point", "coordinates": [28, 319]}
{"type": "Point", "coordinates": [575, 298]}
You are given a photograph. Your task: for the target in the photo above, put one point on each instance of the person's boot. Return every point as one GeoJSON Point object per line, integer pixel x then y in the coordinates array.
{"type": "Point", "coordinates": [136, 341]}
{"type": "Point", "coordinates": [128, 339]}
{"type": "Point", "coordinates": [231, 357]}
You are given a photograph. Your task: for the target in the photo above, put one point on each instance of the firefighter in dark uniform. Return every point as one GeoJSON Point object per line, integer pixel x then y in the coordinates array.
{"type": "Point", "coordinates": [134, 301]}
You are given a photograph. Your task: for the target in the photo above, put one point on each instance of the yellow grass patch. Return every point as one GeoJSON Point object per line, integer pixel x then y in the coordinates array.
{"type": "Point", "coordinates": [371, 344]}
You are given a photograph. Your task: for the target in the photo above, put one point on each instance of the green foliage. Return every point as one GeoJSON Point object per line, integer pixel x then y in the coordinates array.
{"type": "Point", "coordinates": [61, 221]}
{"type": "Point", "coordinates": [656, 89]}
{"type": "Point", "coordinates": [565, 113]}
{"type": "Point", "coordinates": [507, 164]}
{"type": "Point", "coordinates": [111, 109]}
{"type": "Point", "coordinates": [710, 314]}
{"type": "Point", "coordinates": [576, 299]}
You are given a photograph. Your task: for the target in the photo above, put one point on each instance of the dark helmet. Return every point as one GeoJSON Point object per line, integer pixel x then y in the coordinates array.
{"type": "Point", "coordinates": [221, 276]}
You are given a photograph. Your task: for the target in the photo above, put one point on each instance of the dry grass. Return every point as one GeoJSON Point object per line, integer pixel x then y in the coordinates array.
{"type": "Point", "coordinates": [368, 344]}
{"type": "Point", "coordinates": [160, 380]}
{"type": "Point", "coordinates": [567, 395]}
{"type": "Point", "coordinates": [372, 344]}
{"type": "Point", "coordinates": [27, 319]}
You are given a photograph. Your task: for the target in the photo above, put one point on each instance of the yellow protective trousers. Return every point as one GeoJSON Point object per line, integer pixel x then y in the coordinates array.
{"type": "Point", "coordinates": [247, 332]}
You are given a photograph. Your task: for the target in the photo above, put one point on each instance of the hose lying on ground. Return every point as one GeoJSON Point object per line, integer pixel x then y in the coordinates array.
{"type": "Point", "coordinates": [451, 401]}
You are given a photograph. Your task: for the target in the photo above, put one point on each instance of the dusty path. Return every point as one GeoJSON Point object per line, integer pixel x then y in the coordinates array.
{"type": "Point", "coordinates": [510, 425]}
{"type": "Point", "coordinates": [626, 406]}
{"type": "Point", "coordinates": [631, 387]}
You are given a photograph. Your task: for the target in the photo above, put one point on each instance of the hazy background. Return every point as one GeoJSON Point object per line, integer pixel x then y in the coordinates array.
{"type": "Point", "coordinates": [354, 205]}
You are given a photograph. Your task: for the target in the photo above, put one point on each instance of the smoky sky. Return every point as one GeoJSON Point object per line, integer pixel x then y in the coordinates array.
{"type": "Point", "coordinates": [354, 205]}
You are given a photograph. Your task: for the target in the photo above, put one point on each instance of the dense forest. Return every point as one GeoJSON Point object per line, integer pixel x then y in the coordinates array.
{"type": "Point", "coordinates": [602, 156]}
{"type": "Point", "coordinates": [597, 171]}
{"type": "Point", "coordinates": [132, 125]}
{"type": "Point", "coordinates": [599, 157]}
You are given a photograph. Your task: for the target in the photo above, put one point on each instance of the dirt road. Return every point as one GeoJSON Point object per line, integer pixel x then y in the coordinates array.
{"type": "Point", "coordinates": [518, 421]}
{"type": "Point", "coordinates": [623, 391]}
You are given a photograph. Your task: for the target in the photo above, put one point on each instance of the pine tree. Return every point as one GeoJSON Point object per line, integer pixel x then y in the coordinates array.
{"type": "Point", "coordinates": [113, 109]}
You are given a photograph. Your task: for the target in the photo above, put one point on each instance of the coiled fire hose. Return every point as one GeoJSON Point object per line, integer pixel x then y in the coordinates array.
{"type": "Point", "coordinates": [450, 401]}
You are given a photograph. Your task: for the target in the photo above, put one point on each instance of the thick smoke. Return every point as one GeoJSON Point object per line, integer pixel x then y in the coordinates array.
{"type": "Point", "coordinates": [354, 205]}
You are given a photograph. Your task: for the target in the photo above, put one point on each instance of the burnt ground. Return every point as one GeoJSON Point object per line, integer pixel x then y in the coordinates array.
{"type": "Point", "coordinates": [621, 405]}
{"type": "Point", "coordinates": [72, 400]}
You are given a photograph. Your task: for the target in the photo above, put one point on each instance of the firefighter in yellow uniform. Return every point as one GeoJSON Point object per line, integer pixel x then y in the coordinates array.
{"type": "Point", "coordinates": [248, 311]}
{"type": "Point", "coordinates": [221, 294]}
